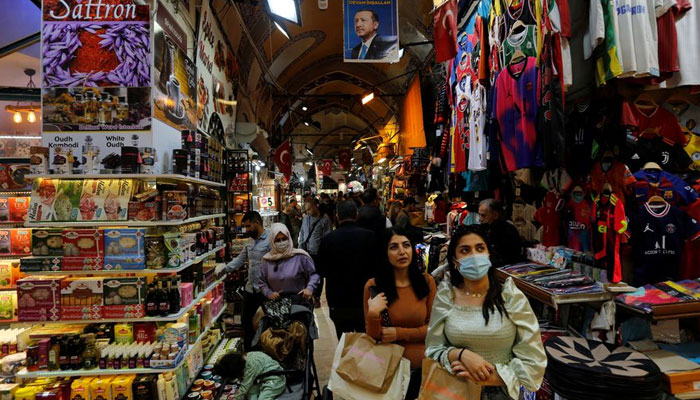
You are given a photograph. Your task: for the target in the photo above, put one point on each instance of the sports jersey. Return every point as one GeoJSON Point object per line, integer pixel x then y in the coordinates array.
{"type": "Point", "coordinates": [668, 36]}
{"type": "Point", "coordinates": [688, 32]}
{"type": "Point", "coordinates": [618, 176]}
{"type": "Point", "coordinates": [579, 140]}
{"type": "Point", "coordinates": [637, 36]}
{"type": "Point", "coordinates": [557, 179]}
{"type": "Point", "coordinates": [476, 181]}
{"type": "Point", "coordinates": [658, 240]}
{"type": "Point", "coordinates": [651, 123]}
{"type": "Point", "coordinates": [516, 105]}
{"type": "Point", "coordinates": [610, 226]}
{"type": "Point", "coordinates": [579, 219]}
{"type": "Point", "coordinates": [477, 124]}
{"type": "Point", "coordinates": [688, 116]}
{"type": "Point", "coordinates": [607, 61]}
{"type": "Point", "coordinates": [693, 150]}
{"type": "Point", "coordinates": [661, 183]}
{"type": "Point", "coordinates": [524, 40]}
{"type": "Point", "coordinates": [670, 158]}
{"type": "Point", "coordinates": [548, 216]}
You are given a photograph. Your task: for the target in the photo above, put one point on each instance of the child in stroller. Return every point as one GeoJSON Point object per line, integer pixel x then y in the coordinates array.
{"type": "Point", "coordinates": [253, 369]}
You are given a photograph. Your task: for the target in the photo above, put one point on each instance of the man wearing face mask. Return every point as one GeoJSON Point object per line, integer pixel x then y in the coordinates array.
{"type": "Point", "coordinates": [610, 170]}
{"type": "Point", "coordinates": [502, 235]}
{"type": "Point", "coordinates": [253, 254]}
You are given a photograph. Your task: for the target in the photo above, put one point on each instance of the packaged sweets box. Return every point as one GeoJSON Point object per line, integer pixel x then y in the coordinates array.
{"type": "Point", "coordinates": [82, 298]}
{"type": "Point", "coordinates": [39, 298]}
{"type": "Point", "coordinates": [124, 297]}
{"type": "Point", "coordinates": [83, 249]}
{"type": "Point", "coordinates": [124, 249]}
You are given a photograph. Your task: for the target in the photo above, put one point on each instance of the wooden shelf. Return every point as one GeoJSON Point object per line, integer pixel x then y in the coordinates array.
{"type": "Point", "coordinates": [149, 177]}
{"type": "Point", "coordinates": [171, 317]}
{"type": "Point", "coordinates": [121, 223]}
{"type": "Point", "coordinates": [131, 271]}
{"type": "Point", "coordinates": [686, 309]}
{"type": "Point", "coordinates": [124, 371]}
{"type": "Point", "coordinates": [554, 300]}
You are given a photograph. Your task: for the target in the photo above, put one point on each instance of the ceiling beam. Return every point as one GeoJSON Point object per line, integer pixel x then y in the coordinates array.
{"type": "Point", "coordinates": [20, 44]}
{"type": "Point", "coordinates": [9, 93]}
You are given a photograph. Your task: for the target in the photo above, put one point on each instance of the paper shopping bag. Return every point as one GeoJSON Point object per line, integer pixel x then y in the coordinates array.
{"type": "Point", "coordinates": [439, 384]}
{"type": "Point", "coordinates": [369, 364]}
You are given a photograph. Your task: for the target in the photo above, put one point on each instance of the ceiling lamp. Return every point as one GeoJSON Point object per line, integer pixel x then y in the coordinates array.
{"type": "Point", "coordinates": [17, 117]}
{"type": "Point", "coordinates": [30, 109]}
{"type": "Point", "coordinates": [368, 97]}
{"type": "Point", "coordinates": [288, 10]}
{"type": "Point", "coordinates": [304, 108]}
{"type": "Point", "coordinates": [31, 117]}
{"type": "Point", "coordinates": [308, 150]}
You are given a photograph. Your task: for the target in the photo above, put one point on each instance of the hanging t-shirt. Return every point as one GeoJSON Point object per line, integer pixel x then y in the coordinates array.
{"type": "Point", "coordinates": [653, 122]}
{"type": "Point", "coordinates": [524, 40]}
{"type": "Point", "coordinates": [661, 183]}
{"type": "Point", "coordinates": [607, 57]}
{"type": "Point", "coordinates": [668, 35]}
{"type": "Point", "coordinates": [523, 211]}
{"type": "Point", "coordinates": [658, 240]}
{"type": "Point", "coordinates": [693, 150]}
{"type": "Point", "coordinates": [618, 176]}
{"type": "Point", "coordinates": [579, 219]}
{"type": "Point", "coordinates": [548, 216]}
{"type": "Point", "coordinates": [556, 179]}
{"type": "Point", "coordinates": [610, 226]}
{"type": "Point", "coordinates": [526, 229]}
{"type": "Point", "coordinates": [579, 140]}
{"type": "Point", "coordinates": [688, 116]}
{"type": "Point", "coordinates": [637, 36]}
{"type": "Point", "coordinates": [515, 101]}
{"type": "Point", "coordinates": [688, 32]}
{"type": "Point", "coordinates": [477, 125]}
{"type": "Point", "coordinates": [461, 139]}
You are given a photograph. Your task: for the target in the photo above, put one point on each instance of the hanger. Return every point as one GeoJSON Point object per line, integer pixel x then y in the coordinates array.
{"type": "Point", "coordinates": [656, 200]}
{"type": "Point", "coordinates": [607, 189]}
{"type": "Point", "coordinates": [646, 101]}
{"type": "Point", "coordinates": [652, 166]}
{"type": "Point", "coordinates": [677, 100]}
{"type": "Point", "coordinates": [517, 57]}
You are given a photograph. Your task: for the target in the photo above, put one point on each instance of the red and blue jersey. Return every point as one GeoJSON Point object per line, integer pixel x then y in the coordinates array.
{"type": "Point", "coordinates": [515, 101]}
{"type": "Point", "coordinates": [661, 183]}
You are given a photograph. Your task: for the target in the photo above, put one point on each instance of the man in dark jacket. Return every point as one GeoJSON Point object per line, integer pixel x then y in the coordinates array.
{"type": "Point", "coordinates": [346, 259]}
{"type": "Point", "coordinates": [370, 217]}
{"type": "Point", "coordinates": [503, 236]}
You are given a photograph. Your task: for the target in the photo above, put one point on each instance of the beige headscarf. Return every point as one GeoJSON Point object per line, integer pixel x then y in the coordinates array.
{"type": "Point", "coordinates": [275, 254]}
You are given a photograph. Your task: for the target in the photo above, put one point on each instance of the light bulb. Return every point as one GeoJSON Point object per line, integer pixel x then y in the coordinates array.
{"type": "Point", "coordinates": [31, 117]}
{"type": "Point", "coordinates": [17, 118]}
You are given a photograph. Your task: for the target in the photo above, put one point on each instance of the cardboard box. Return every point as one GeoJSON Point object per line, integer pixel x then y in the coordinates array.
{"type": "Point", "coordinates": [117, 197]}
{"type": "Point", "coordinates": [681, 382]}
{"type": "Point", "coordinates": [47, 242]}
{"type": "Point", "coordinates": [4, 209]}
{"type": "Point", "coordinates": [5, 242]}
{"type": "Point", "coordinates": [8, 304]}
{"type": "Point", "coordinates": [124, 249]}
{"type": "Point", "coordinates": [186, 294]}
{"type": "Point", "coordinates": [83, 249]}
{"type": "Point", "coordinates": [21, 241]}
{"type": "Point", "coordinates": [39, 298]}
{"type": "Point", "coordinates": [42, 199]}
{"type": "Point", "coordinates": [92, 200]}
{"type": "Point", "coordinates": [18, 207]}
{"type": "Point", "coordinates": [67, 200]}
{"type": "Point", "coordinates": [82, 298]}
{"type": "Point", "coordinates": [124, 297]}
{"type": "Point", "coordinates": [35, 264]}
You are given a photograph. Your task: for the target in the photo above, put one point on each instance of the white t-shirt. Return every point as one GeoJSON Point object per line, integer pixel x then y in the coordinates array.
{"type": "Point", "coordinates": [688, 30]}
{"type": "Point", "coordinates": [595, 34]}
{"type": "Point", "coordinates": [477, 123]}
{"type": "Point", "coordinates": [637, 38]}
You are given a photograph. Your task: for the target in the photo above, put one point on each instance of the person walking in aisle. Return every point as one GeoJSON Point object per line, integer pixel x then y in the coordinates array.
{"type": "Point", "coordinates": [370, 217]}
{"type": "Point", "coordinates": [502, 235]}
{"type": "Point", "coordinates": [314, 226]}
{"type": "Point", "coordinates": [346, 259]}
{"type": "Point", "coordinates": [286, 270]}
{"type": "Point", "coordinates": [483, 330]}
{"type": "Point", "coordinates": [398, 301]}
{"type": "Point", "coordinates": [253, 224]}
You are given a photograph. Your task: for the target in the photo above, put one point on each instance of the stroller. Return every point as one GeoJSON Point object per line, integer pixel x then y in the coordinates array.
{"type": "Point", "coordinates": [301, 381]}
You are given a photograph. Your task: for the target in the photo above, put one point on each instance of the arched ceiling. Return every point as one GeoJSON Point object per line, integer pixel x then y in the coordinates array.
{"type": "Point", "coordinates": [308, 71]}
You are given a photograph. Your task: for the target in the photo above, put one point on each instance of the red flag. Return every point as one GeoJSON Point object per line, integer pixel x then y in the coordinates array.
{"type": "Point", "coordinates": [344, 159]}
{"type": "Point", "coordinates": [445, 31]}
{"type": "Point", "coordinates": [283, 159]}
{"type": "Point", "coordinates": [327, 167]}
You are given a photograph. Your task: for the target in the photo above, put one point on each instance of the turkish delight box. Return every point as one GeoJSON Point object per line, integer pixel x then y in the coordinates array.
{"type": "Point", "coordinates": [117, 197]}
{"type": "Point", "coordinates": [83, 249]}
{"type": "Point", "coordinates": [39, 298]}
{"type": "Point", "coordinates": [42, 200]}
{"type": "Point", "coordinates": [35, 264]}
{"type": "Point", "coordinates": [47, 242]}
{"type": "Point", "coordinates": [124, 297]}
{"type": "Point", "coordinates": [82, 298]}
{"type": "Point", "coordinates": [124, 248]}
{"type": "Point", "coordinates": [67, 200]}
{"type": "Point", "coordinates": [92, 200]}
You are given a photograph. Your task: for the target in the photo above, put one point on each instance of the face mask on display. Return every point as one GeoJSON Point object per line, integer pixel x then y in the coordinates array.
{"type": "Point", "coordinates": [578, 196]}
{"type": "Point", "coordinates": [282, 246]}
{"type": "Point", "coordinates": [606, 165]}
{"type": "Point", "coordinates": [474, 267]}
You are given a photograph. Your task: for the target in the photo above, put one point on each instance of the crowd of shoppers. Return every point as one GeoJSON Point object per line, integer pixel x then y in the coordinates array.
{"type": "Point", "coordinates": [476, 327]}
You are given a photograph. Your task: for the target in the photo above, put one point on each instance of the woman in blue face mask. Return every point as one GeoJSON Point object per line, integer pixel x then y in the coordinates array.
{"type": "Point", "coordinates": [481, 330]}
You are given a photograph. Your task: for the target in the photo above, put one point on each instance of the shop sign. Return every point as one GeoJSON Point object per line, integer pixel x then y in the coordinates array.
{"type": "Point", "coordinates": [371, 31]}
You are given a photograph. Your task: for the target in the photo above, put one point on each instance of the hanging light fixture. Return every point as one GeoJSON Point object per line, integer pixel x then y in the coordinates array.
{"type": "Point", "coordinates": [31, 117]}
{"type": "Point", "coordinates": [30, 109]}
{"type": "Point", "coordinates": [17, 117]}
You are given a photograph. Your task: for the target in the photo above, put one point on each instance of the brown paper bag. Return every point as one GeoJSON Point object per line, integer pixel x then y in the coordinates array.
{"type": "Point", "coordinates": [438, 384]}
{"type": "Point", "coordinates": [369, 364]}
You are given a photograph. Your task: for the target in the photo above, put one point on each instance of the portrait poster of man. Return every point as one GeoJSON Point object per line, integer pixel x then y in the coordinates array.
{"type": "Point", "coordinates": [371, 31]}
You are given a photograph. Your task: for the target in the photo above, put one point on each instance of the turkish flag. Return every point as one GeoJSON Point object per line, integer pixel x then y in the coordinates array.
{"type": "Point", "coordinates": [445, 31]}
{"type": "Point", "coordinates": [327, 167]}
{"type": "Point", "coordinates": [344, 159]}
{"type": "Point", "coordinates": [283, 159]}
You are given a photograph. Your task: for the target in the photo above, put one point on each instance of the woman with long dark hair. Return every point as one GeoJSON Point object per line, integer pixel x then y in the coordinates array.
{"type": "Point", "coordinates": [398, 301]}
{"type": "Point", "coordinates": [481, 330]}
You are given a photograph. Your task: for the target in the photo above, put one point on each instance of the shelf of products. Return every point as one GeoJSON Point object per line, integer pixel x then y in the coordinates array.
{"type": "Point", "coordinates": [170, 317]}
{"type": "Point", "coordinates": [132, 271]}
{"type": "Point", "coordinates": [664, 300]}
{"type": "Point", "coordinates": [148, 177]}
{"type": "Point", "coordinates": [24, 374]}
{"type": "Point", "coordinates": [122, 223]}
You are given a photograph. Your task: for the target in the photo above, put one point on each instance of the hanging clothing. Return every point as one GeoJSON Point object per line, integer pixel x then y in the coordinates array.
{"type": "Point", "coordinates": [649, 123]}
{"type": "Point", "coordinates": [524, 40]}
{"type": "Point", "coordinates": [579, 140]}
{"type": "Point", "coordinates": [579, 218]}
{"type": "Point", "coordinates": [548, 216]}
{"type": "Point", "coordinates": [610, 226]}
{"type": "Point", "coordinates": [688, 32]}
{"type": "Point", "coordinates": [618, 176]}
{"type": "Point", "coordinates": [668, 35]}
{"type": "Point", "coordinates": [478, 149]}
{"type": "Point", "coordinates": [607, 58]}
{"type": "Point", "coordinates": [516, 103]}
{"type": "Point", "coordinates": [661, 183]}
{"type": "Point", "coordinates": [637, 34]}
{"type": "Point", "coordinates": [526, 229]}
{"type": "Point", "coordinates": [556, 179]}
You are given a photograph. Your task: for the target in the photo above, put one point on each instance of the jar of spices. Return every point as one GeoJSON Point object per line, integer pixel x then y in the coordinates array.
{"type": "Point", "coordinates": [91, 107]}
{"type": "Point", "coordinates": [123, 110]}
{"type": "Point", "coordinates": [105, 114]}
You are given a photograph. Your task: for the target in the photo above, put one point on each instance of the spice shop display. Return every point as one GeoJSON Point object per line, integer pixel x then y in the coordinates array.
{"type": "Point", "coordinates": [200, 156]}
{"type": "Point", "coordinates": [96, 109]}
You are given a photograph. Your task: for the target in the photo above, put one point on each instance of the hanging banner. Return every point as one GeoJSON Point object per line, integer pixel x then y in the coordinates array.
{"type": "Point", "coordinates": [175, 75]}
{"type": "Point", "coordinates": [344, 157]}
{"type": "Point", "coordinates": [327, 167]}
{"type": "Point", "coordinates": [217, 79]}
{"type": "Point", "coordinates": [371, 31]}
{"type": "Point", "coordinates": [283, 159]}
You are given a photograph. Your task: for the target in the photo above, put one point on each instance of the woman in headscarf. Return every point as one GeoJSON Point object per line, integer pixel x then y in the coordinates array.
{"type": "Point", "coordinates": [286, 269]}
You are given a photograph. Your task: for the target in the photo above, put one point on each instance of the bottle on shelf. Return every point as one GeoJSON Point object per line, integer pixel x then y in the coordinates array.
{"type": "Point", "coordinates": [174, 294]}
{"type": "Point", "coordinates": [163, 302]}
{"type": "Point", "coordinates": [76, 353]}
{"type": "Point", "coordinates": [64, 355]}
{"type": "Point", "coordinates": [89, 356]}
{"type": "Point", "coordinates": [152, 301]}
{"type": "Point", "coordinates": [54, 354]}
